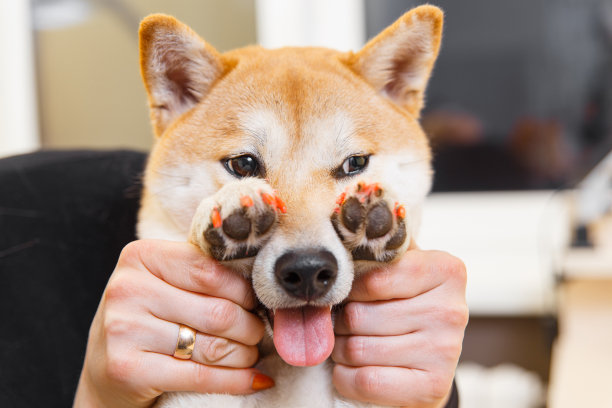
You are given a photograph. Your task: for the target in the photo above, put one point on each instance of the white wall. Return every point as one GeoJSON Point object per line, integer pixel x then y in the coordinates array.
{"type": "Point", "coordinates": [18, 113]}
{"type": "Point", "coordinates": [511, 242]}
{"type": "Point", "coordinates": [337, 24]}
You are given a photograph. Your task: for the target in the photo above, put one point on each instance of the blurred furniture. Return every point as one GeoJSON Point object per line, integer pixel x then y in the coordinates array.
{"type": "Point", "coordinates": [511, 243]}
{"type": "Point", "coordinates": [582, 357]}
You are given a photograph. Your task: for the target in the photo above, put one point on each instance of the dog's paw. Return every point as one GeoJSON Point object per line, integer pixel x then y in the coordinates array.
{"type": "Point", "coordinates": [370, 224]}
{"type": "Point", "coordinates": [236, 221]}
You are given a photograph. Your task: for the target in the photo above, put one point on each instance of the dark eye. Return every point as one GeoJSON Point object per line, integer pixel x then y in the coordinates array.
{"type": "Point", "coordinates": [352, 165]}
{"type": "Point", "coordinates": [243, 166]}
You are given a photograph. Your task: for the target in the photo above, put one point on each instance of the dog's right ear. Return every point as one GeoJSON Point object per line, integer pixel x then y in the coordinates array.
{"type": "Point", "coordinates": [178, 68]}
{"type": "Point", "coordinates": [398, 61]}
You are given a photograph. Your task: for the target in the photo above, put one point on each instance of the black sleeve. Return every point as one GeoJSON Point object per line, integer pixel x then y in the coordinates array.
{"type": "Point", "coordinates": [64, 218]}
{"type": "Point", "coordinates": [453, 401]}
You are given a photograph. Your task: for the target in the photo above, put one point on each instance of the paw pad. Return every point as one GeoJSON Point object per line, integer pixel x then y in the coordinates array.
{"type": "Point", "coordinates": [240, 233]}
{"type": "Point", "coordinates": [368, 225]}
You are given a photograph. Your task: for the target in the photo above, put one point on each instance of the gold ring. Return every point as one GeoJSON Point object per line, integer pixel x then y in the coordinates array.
{"type": "Point", "coordinates": [185, 342]}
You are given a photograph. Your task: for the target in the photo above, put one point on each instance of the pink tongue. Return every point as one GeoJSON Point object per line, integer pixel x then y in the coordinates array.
{"type": "Point", "coordinates": [303, 336]}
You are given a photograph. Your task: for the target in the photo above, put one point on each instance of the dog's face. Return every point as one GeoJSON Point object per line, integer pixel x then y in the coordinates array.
{"type": "Point", "coordinates": [309, 121]}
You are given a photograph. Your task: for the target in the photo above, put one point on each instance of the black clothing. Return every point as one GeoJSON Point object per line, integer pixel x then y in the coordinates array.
{"type": "Point", "coordinates": [64, 217]}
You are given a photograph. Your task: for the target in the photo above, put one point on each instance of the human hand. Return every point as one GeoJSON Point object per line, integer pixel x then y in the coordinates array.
{"type": "Point", "coordinates": [156, 286]}
{"type": "Point", "coordinates": [399, 338]}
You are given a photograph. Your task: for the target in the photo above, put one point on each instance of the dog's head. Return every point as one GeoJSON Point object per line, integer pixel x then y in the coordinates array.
{"type": "Point", "coordinates": [308, 121]}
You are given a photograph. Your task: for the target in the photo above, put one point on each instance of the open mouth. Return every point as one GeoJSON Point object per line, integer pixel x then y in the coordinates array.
{"type": "Point", "coordinates": [303, 336]}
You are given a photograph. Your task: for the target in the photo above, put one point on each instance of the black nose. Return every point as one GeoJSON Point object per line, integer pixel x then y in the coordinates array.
{"type": "Point", "coordinates": [306, 273]}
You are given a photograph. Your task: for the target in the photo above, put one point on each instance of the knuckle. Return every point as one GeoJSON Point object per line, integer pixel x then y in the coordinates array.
{"type": "Point", "coordinates": [120, 287]}
{"type": "Point", "coordinates": [448, 350]}
{"type": "Point", "coordinates": [114, 325]}
{"type": "Point", "coordinates": [204, 276]}
{"type": "Point", "coordinates": [257, 333]}
{"type": "Point", "coordinates": [455, 316]}
{"type": "Point", "coordinates": [221, 316]}
{"type": "Point", "coordinates": [252, 356]}
{"type": "Point", "coordinates": [120, 368]}
{"type": "Point", "coordinates": [355, 349]}
{"type": "Point", "coordinates": [450, 316]}
{"type": "Point", "coordinates": [353, 316]}
{"type": "Point", "coordinates": [216, 349]}
{"type": "Point", "coordinates": [378, 282]}
{"type": "Point", "coordinates": [368, 381]}
{"type": "Point", "coordinates": [439, 385]}
{"type": "Point", "coordinates": [201, 377]}
{"type": "Point", "coordinates": [453, 267]}
{"type": "Point", "coordinates": [130, 254]}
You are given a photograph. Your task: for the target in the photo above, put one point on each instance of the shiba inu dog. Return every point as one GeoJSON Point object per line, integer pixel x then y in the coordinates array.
{"type": "Point", "coordinates": [300, 168]}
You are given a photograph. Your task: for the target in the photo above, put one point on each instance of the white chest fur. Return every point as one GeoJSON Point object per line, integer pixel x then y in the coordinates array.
{"type": "Point", "coordinates": [296, 387]}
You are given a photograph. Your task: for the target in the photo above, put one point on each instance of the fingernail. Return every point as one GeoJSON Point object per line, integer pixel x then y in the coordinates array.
{"type": "Point", "coordinates": [262, 382]}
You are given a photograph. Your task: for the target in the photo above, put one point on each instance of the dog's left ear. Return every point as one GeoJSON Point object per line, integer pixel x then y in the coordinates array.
{"type": "Point", "coordinates": [178, 68]}
{"type": "Point", "coordinates": [398, 61]}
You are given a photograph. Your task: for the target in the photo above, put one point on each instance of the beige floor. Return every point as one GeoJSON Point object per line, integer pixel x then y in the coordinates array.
{"type": "Point", "coordinates": [582, 358]}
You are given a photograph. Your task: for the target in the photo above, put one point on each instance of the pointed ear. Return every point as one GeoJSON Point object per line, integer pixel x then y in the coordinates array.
{"type": "Point", "coordinates": [178, 68]}
{"type": "Point", "coordinates": [398, 61]}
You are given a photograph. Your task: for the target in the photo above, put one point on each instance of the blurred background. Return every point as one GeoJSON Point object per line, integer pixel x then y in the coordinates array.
{"type": "Point", "coordinates": [519, 114]}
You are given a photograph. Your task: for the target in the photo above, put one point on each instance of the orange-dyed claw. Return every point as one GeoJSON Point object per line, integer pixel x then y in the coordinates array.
{"type": "Point", "coordinates": [371, 188]}
{"type": "Point", "coordinates": [280, 204]}
{"type": "Point", "coordinates": [341, 199]}
{"type": "Point", "coordinates": [246, 201]}
{"type": "Point", "coordinates": [376, 189]}
{"type": "Point", "coordinates": [400, 212]}
{"type": "Point", "coordinates": [215, 218]}
{"type": "Point", "coordinates": [268, 199]}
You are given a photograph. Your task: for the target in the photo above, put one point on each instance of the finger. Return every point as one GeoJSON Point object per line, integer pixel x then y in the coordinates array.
{"type": "Point", "coordinates": [206, 314]}
{"type": "Point", "coordinates": [170, 374]}
{"type": "Point", "coordinates": [210, 350]}
{"type": "Point", "coordinates": [393, 386]}
{"type": "Point", "coordinates": [418, 350]}
{"type": "Point", "coordinates": [416, 273]}
{"type": "Point", "coordinates": [397, 317]}
{"type": "Point", "coordinates": [184, 266]}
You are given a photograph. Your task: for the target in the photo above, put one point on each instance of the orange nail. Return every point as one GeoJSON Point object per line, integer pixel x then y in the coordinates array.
{"type": "Point", "coordinates": [400, 212]}
{"type": "Point", "coordinates": [268, 199]}
{"type": "Point", "coordinates": [262, 382]}
{"type": "Point", "coordinates": [377, 190]}
{"type": "Point", "coordinates": [215, 217]}
{"type": "Point", "coordinates": [246, 201]}
{"type": "Point", "coordinates": [340, 199]}
{"type": "Point", "coordinates": [280, 205]}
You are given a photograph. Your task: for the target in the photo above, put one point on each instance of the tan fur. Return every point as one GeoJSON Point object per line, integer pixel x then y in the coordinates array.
{"type": "Point", "coordinates": [301, 110]}
{"type": "Point", "coordinates": [319, 78]}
